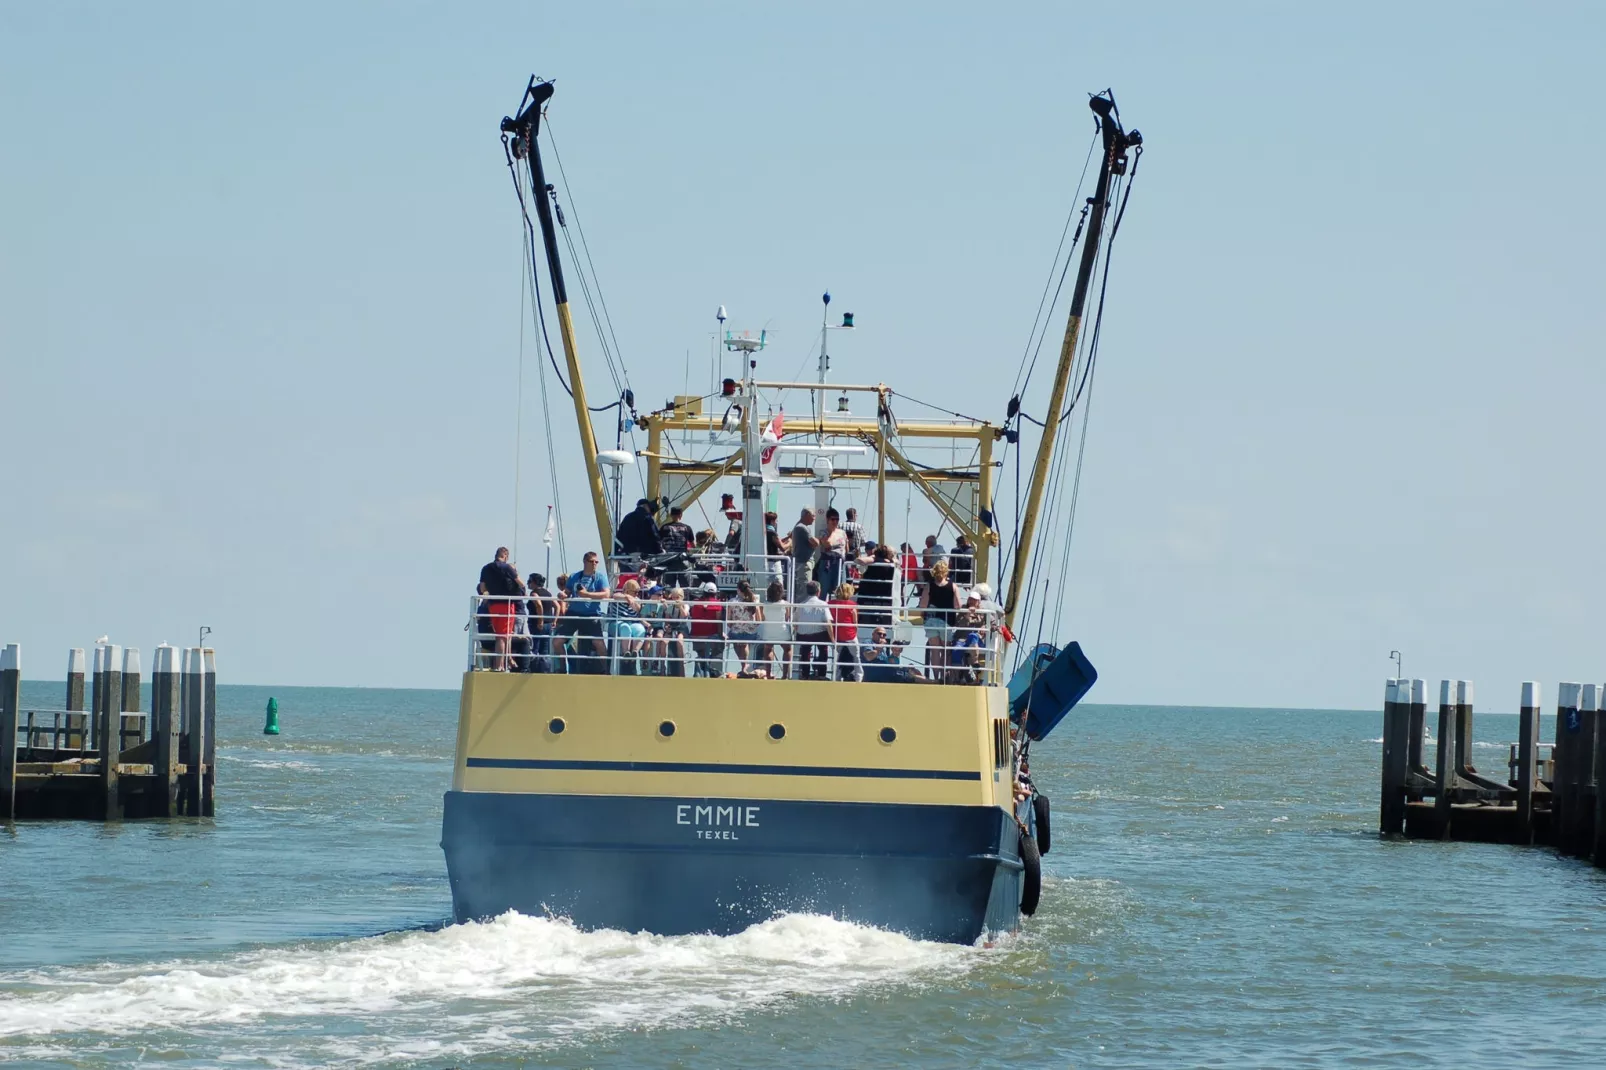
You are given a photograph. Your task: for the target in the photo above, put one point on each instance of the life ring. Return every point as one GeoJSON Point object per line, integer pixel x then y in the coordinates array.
{"type": "Point", "coordinates": [1040, 819]}
{"type": "Point", "coordinates": [1032, 876]}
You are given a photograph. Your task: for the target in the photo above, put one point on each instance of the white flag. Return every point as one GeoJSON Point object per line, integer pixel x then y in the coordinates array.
{"type": "Point", "coordinates": [551, 529]}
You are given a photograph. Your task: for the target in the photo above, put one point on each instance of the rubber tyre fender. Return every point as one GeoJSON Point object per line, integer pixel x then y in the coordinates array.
{"type": "Point", "coordinates": [1031, 889]}
{"type": "Point", "coordinates": [1040, 819]}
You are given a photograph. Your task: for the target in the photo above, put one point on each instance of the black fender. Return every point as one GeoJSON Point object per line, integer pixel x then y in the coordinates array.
{"type": "Point", "coordinates": [1031, 889]}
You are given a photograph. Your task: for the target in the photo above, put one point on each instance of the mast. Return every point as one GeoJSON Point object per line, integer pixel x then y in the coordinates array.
{"type": "Point", "coordinates": [1116, 143]}
{"type": "Point", "coordinates": [825, 358]}
{"type": "Point", "coordinates": [524, 128]}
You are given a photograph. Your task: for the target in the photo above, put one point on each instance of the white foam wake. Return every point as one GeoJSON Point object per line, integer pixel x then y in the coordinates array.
{"type": "Point", "coordinates": [537, 978]}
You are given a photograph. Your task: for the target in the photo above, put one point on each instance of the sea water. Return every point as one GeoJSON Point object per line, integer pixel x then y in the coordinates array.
{"type": "Point", "coordinates": [1216, 896]}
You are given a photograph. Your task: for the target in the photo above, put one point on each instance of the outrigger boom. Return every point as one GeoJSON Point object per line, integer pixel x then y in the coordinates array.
{"type": "Point", "coordinates": [521, 135]}
{"type": "Point", "coordinates": [1116, 144]}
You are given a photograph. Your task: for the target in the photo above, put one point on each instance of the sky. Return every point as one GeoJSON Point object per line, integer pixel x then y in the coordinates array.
{"type": "Point", "coordinates": [260, 310]}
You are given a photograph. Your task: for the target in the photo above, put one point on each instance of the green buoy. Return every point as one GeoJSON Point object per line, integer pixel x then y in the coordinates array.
{"type": "Point", "coordinates": [272, 727]}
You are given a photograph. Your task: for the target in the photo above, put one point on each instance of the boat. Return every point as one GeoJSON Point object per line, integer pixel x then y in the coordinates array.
{"type": "Point", "coordinates": [631, 783]}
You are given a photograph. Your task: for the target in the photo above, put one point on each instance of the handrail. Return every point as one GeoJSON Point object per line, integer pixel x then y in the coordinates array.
{"type": "Point", "coordinates": [713, 637]}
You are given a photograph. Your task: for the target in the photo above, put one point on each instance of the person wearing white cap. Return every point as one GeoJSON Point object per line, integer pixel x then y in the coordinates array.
{"type": "Point", "coordinates": [708, 630]}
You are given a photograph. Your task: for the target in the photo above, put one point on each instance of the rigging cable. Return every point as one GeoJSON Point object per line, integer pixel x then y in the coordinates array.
{"type": "Point", "coordinates": [518, 415]}
{"type": "Point", "coordinates": [1092, 365]}
{"type": "Point", "coordinates": [1039, 320]}
{"type": "Point", "coordinates": [568, 192]}
{"type": "Point", "coordinates": [529, 228]}
{"type": "Point", "coordinates": [1053, 495]}
{"type": "Point", "coordinates": [1039, 332]}
{"type": "Point", "coordinates": [546, 405]}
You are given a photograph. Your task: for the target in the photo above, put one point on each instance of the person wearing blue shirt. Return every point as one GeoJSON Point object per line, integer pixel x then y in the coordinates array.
{"type": "Point", "coordinates": [588, 590]}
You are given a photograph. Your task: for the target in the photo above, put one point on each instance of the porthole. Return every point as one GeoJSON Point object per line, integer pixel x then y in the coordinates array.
{"type": "Point", "coordinates": [777, 731]}
{"type": "Point", "coordinates": [556, 726]}
{"type": "Point", "coordinates": [889, 734]}
{"type": "Point", "coordinates": [666, 728]}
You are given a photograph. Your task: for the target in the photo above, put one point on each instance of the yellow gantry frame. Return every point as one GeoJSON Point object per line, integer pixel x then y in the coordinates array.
{"type": "Point", "coordinates": [891, 464]}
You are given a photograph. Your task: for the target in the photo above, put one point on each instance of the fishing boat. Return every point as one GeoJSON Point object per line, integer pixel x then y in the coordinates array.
{"type": "Point", "coordinates": [647, 779]}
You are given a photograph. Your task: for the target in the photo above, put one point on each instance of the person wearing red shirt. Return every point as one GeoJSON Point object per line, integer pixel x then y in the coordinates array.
{"type": "Point", "coordinates": [845, 634]}
{"type": "Point", "coordinates": [708, 631]}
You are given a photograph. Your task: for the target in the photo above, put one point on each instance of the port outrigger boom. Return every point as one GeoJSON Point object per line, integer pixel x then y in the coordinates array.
{"type": "Point", "coordinates": [1117, 142]}
{"type": "Point", "coordinates": [522, 135]}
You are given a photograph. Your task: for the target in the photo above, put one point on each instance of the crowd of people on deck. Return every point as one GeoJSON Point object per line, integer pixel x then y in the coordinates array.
{"type": "Point", "coordinates": [829, 602]}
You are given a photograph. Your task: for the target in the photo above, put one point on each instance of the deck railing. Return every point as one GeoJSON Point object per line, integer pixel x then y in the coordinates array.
{"type": "Point", "coordinates": [708, 635]}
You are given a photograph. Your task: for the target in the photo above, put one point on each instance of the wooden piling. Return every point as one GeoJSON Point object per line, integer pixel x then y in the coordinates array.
{"type": "Point", "coordinates": [1446, 759]}
{"type": "Point", "coordinates": [1598, 848]}
{"type": "Point", "coordinates": [133, 727]}
{"type": "Point", "coordinates": [166, 721]}
{"type": "Point", "coordinates": [1581, 826]}
{"type": "Point", "coordinates": [209, 752]}
{"type": "Point", "coordinates": [10, 710]}
{"type": "Point", "coordinates": [77, 723]}
{"type": "Point", "coordinates": [1463, 727]}
{"type": "Point", "coordinates": [108, 709]}
{"type": "Point", "coordinates": [1563, 783]}
{"type": "Point", "coordinates": [192, 695]}
{"type": "Point", "coordinates": [1396, 748]}
{"type": "Point", "coordinates": [1527, 762]}
{"type": "Point", "coordinates": [1418, 718]}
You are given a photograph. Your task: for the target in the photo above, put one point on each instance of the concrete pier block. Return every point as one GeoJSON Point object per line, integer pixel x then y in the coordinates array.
{"type": "Point", "coordinates": [1446, 757]}
{"type": "Point", "coordinates": [10, 710]}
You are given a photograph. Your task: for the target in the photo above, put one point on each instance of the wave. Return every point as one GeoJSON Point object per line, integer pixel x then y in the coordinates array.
{"type": "Point", "coordinates": [550, 977]}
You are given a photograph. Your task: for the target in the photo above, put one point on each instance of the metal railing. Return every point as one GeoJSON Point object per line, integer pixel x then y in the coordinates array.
{"type": "Point", "coordinates": [707, 635]}
{"type": "Point", "coordinates": [64, 735]}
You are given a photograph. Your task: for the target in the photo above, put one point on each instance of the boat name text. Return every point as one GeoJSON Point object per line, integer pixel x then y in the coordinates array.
{"type": "Point", "coordinates": [722, 819]}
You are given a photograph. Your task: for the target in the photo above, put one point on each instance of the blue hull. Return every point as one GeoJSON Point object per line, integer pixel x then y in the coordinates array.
{"type": "Point", "coordinates": [673, 865]}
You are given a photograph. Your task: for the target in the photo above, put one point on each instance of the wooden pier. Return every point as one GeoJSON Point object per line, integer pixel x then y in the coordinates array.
{"type": "Point", "coordinates": [54, 762]}
{"type": "Point", "coordinates": [1547, 793]}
